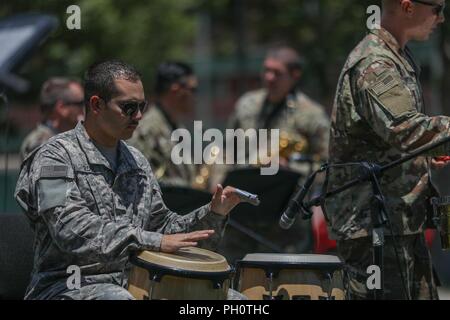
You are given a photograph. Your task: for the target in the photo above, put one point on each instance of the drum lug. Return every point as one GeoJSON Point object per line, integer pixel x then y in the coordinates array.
{"type": "Point", "coordinates": [217, 285]}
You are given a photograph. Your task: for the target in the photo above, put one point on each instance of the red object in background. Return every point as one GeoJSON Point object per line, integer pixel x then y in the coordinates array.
{"type": "Point", "coordinates": [322, 244]}
{"type": "Point", "coordinates": [446, 158]}
{"type": "Point", "coordinates": [430, 235]}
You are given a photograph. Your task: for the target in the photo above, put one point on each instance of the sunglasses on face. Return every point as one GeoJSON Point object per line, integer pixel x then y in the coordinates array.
{"type": "Point", "coordinates": [130, 108]}
{"type": "Point", "coordinates": [438, 9]}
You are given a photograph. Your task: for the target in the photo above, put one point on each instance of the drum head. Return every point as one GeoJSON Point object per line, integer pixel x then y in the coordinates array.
{"type": "Point", "coordinates": [186, 259]}
{"type": "Point", "coordinates": [299, 261]}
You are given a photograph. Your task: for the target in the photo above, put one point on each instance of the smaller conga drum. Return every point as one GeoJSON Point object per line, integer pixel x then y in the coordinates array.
{"type": "Point", "coordinates": [441, 207]}
{"type": "Point", "coordinates": [290, 277]}
{"type": "Point", "coordinates": [188, 274]}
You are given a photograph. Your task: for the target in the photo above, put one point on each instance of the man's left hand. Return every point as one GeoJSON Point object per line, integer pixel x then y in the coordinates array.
{"type": "Point", "coordinates": [224, 200]}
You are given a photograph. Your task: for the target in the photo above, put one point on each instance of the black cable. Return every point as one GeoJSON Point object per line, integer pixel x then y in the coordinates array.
{"type": "Point", "coordinates": [6, 142]}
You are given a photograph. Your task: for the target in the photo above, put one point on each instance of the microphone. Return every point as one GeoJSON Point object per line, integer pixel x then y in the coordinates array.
{"type": "Point", "coordinates": [296, 205]}
{"type": "Point", "coordinates": [247, 197]}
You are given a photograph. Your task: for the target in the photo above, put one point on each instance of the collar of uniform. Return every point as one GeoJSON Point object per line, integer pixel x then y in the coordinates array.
{"type": "Point", "coordinates": [394, 46]}
{"type": "Point", "coordinates": [93, 155]}
{"type": "Point", "coordinates": [125, 162]}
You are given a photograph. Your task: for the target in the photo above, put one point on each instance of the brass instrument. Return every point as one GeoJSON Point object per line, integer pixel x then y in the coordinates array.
{"type": "Point", "coordinates": [202, 179]}
{"type": "Point", "coordinates": [292, 143]}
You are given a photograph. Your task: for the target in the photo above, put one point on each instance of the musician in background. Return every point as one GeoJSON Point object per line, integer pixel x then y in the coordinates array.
{"type": "Point", "coordinates": [281, 104]}
{"type": "Point", "coordinates": [175, 89]}
{"type": "Point", "coordinates": [62, 106]}
{"type": "Point", "coordinates": [302, 122]}
{"type": "Point", "coordinates": [92, 200]}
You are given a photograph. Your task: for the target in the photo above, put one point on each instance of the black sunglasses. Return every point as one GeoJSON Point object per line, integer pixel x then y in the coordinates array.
{"type": "Point", "coordinates": [130, 108]}
{"type": "Point", "coordinates": [438, 9]}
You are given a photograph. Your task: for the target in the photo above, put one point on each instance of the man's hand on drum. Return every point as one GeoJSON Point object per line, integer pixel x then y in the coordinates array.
{"type": "Point", "coordinates": [172, 242]}
{"type": "Point", "coordinates": [224, 200]}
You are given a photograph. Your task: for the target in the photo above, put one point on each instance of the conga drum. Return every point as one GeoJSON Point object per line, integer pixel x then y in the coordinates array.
{"type": "Point", "coordinates": [290, 277]}
{"type": "Point", "coordinates": [441, 207]}
{"type": "Point", "coordinates": [188, 274]}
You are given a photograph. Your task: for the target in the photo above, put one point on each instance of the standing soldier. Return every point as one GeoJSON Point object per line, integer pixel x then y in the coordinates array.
{"type": "Point", "coordinates": [378, 116]}
{"type": "Point", "coordinates": [62, 104]}
{"type": "Point", "coordinates": [175, 88]}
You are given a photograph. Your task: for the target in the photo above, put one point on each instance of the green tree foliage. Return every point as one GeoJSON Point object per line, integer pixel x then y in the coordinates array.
{"type": "Point", "coordinates": [142, 32]}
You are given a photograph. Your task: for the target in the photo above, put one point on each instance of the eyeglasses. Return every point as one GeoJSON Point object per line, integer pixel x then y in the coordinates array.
{"type": "Point", "coordinates": [438, 9]}
{"type": "Point", "coordinates": [130, 108]}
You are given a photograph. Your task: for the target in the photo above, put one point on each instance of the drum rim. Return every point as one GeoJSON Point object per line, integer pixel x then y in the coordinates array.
{"type": "Point", "coordinates": [161, 271]}
{"type": "Point", "coordinates": [291, 264]}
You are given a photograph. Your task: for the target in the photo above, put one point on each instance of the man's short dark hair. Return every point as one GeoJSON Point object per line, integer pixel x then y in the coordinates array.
{"type": "Point", "coordinates": [169, 73]}
{"type": "Point", "coordinates": [53, 90]}
{"type": "Point", "coordinates": [99, 79]}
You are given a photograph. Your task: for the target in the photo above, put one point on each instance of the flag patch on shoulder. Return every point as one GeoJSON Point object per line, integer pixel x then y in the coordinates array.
{"type": "Point", "coordinates": [384, 85]}
{"type": "Point", "coordinates": [54, 171]}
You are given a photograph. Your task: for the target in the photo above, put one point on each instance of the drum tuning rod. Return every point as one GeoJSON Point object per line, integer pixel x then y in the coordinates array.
{"type": "Point", "coordinates": [247, 197]}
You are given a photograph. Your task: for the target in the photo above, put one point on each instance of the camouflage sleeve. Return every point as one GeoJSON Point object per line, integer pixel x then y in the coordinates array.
{"type": "Point", "coordinates": [72, 226]}
{"type": "Point", "coordinates": [163, 220]}
{"type": "Point", "coordinates": [389, 107]}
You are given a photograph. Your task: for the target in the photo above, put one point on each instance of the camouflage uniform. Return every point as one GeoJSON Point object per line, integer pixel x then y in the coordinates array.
{"type": "Point", "coordinates": [83, 214]}
{"type": "Point", "coordinates": [35, 138]}
{"type": "Point", "coordinates": [306, 122]}
{"type": "Point", "coordinates": [378, 116]}
{"type": "Point", "coordinates": [153, 139]}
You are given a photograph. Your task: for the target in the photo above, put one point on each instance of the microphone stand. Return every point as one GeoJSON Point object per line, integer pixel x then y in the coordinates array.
{"type": "Point", "coordinates": [379, 212]}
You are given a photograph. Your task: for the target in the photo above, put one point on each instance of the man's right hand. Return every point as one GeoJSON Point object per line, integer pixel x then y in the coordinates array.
{"type": "Point", "coordinates": [172, 242]}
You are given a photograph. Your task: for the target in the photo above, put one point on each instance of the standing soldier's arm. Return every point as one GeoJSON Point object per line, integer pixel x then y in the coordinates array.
{"type": "Point", "coordinates": [389, 108]}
